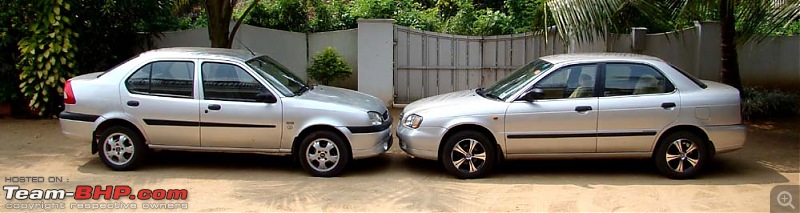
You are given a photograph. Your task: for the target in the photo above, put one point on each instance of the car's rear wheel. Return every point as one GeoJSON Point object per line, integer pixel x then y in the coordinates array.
{"type": "Point", "coordinates": [324, 154]}
{"type": "Point", "coordinates": [468, 154]}
{"type": "Point", "coordinates": [121, 148]}
{"type": "Point", "coordinates": [681, 155]}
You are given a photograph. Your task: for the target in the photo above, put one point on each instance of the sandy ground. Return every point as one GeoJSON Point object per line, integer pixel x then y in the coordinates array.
{"type": "Point", "coordinates": [739, 181]}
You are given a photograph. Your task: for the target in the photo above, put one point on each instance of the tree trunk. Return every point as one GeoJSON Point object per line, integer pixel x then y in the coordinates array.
{"type": "Point", "coordinates": [729, 72]}
{"type": "Point", "coordinates": [219, 19]}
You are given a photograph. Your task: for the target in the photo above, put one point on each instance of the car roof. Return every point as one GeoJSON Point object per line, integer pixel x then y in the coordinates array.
{"type": "Point", "coordinates": [571, 57]}
{"type": "Point", "coordinates": [202, 52]}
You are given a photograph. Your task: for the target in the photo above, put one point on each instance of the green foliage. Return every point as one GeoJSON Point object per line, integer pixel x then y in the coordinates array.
{"type": "Point", "coordinates": [188, 22]}
{"type": "Point", "coordinates": [490, 22]}
{"type": "Point", "coordinates": [331, 15]}
{"type": "Point", "coordinates": [424, 20]}
{"type": "Point", "coordinates": [289, 15]}
{"type": "Point", "coordinates": [464, 17]}
{"type": "Point", "coordinates": [47, 56]}
{"type": "Point", "coordinates": [758, 102]}
{"type": "Point", "coordinates": [790, 29]}
{"type": "Point", "coordinates": [11, 31]}
{"type": "Point", "coordinates": [329, 66]}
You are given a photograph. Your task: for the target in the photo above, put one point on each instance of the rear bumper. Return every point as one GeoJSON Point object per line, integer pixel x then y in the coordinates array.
{"type": "Point", "coordinates": [727, 138]}
{"type": "Point", "coordinates": [76, 130]}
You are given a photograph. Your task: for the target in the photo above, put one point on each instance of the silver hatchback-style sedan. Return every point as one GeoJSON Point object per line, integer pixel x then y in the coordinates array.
{"type": "Point", "coordinates": [601, 105]}
{"type": "Point", "coordinates": [221, 100]}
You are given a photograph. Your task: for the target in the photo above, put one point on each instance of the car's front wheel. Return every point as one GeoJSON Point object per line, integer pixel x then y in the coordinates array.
{"type": "Point", "coordinates": [468, 154]}
{"type": "Point", "coordinates": [324, 154]}
{"type": "Point", "coordinates": [121, 148]}
{"type": "Point", "coordinates": [681, 155]}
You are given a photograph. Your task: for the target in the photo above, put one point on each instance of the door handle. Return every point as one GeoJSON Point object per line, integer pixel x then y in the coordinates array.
{"type": "Point", "coordinates": [133, 103]}
{"type": "Point", "coordinates": [214, 107]}
{"type": "Point", "coordinates": [668, 105]}
{"type": "Point", "coordinates": [582, 108]}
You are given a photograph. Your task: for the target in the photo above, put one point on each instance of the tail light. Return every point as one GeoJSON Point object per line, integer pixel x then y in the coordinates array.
{"type": "Point", "coordinates": [69, 97]}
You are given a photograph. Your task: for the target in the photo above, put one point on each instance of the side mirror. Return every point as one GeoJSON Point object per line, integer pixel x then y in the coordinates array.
{"type": "Point", "coordinates": [533, 95]}
{"type": "Point", "coordinates": [266, 97]}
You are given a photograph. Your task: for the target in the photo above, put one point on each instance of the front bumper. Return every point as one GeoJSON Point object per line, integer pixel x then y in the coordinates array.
{"type": "Point", "coordinates": [727, 138]}
{"type": "Point", "coordinates": [422, 142]}
{"type": "Point", "coordinates": [370, 144]}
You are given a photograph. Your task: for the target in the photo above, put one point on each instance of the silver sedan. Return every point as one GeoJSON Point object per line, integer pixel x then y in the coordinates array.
{"type": "Point", "coordinates": [601, 105]}
{"type": "Point", "coordinates": [220, 100]}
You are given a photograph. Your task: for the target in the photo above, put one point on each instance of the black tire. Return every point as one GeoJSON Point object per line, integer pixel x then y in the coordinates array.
{"type": "Point", "coordinates": [470, 165]}
{"type": "Point", "coordinates": [121, 154]}
{"type": "Point", "coordinates": [318, 160]}
{"type": "Point", "coordinates": [686, 162]}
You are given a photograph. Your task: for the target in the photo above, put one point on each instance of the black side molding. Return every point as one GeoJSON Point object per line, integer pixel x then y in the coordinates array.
{"type": "Point", "coordinates": [369, 129]}
{"type": "Point", "coordinates": [155, 122]}
{"type": "Point", "coordinates": [582, 135]}
{"type": "Point", "coordinates": [78, 117]}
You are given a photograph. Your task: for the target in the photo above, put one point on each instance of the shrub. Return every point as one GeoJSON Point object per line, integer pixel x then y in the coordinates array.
{"type": "Point", "coordinates": [329, 66]}
{"type": "Point", "coordinates": [47, 57]}
{"type": "Point", "coordinates": [758, 102]}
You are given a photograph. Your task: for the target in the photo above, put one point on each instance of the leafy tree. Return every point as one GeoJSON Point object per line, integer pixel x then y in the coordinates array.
{"type": "Point", "coordinates": [329, 66]}
{"type": "Point", "coordinates": [219, 14]}
{"type": "Point", "coordinates": [583, 19]}
{"type": "Point", "coordinates": [289, 15]}
{"type": "Point", "coordinates": [331, 15]}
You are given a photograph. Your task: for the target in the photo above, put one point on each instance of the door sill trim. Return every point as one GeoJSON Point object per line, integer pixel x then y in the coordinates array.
{"type": "Point", "coordinates": [581, 155]}
{"type": "Point", "coordinates": [223, 149]}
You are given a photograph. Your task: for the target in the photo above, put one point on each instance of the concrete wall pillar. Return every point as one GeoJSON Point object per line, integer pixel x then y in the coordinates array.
{"type": "Point", "coordinates": [376, 58]}
{"type": "Point", "coordinates": [708, 58]}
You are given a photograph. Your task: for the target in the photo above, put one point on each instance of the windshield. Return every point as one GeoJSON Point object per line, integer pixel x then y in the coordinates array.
{"type": "Point", "coordinates": [279, 76]}
{"type": "Point", "coordinates": [514, 82]}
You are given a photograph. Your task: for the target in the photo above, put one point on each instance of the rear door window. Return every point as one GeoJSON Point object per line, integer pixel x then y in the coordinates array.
{"type": "Point", "coordinates": [634, 79]}
{"type": "Point", "coordinates": [163, 78]}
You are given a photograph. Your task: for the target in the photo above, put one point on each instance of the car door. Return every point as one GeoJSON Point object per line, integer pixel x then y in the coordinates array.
{"type": "Point", "coordinates": [160, 95]}
{"type": "Point", "coordinates": [637, 102]}
{"type": "Point", "coordinates": [231, 114]}
{"type": "Point", "coordinates": [563, 121]}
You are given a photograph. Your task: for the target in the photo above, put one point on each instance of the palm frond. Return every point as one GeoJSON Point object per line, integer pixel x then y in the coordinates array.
{"type": "Point", "coordinates": [583, 20]}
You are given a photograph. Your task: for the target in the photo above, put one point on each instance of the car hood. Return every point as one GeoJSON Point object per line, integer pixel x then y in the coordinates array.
{"type": "Point", "coordinates": [452, 104]}
{"type": "Point", "coordinates": [326, 95]}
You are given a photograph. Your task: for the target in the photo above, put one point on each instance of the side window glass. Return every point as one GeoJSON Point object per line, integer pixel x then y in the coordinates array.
{"type": "Point", "coordinates": [167, 78]}
{"type": "Point", "coordinates": [634, 79]}
{"type": "Point", "coordinates": [139, 82]}
{"type": "Point", "coordinates": [569, 82]}
{"type": "Point", "coordinates": [172, 78]}
{"type": "Point", "coordinates": [229, 82]}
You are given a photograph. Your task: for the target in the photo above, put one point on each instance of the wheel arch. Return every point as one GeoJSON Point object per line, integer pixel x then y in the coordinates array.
{"type": "Point", "coordinates": [102, 126]}
{"type": "Point", "coordinates": [318, 127]}
{"type": "Point", "coordinates": [470, 127]}
{"type": "Point", "coordinates": [687, 128]}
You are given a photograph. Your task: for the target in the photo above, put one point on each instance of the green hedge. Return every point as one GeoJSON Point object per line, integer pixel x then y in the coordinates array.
{"type": "Point", "coordinates": [763, 103]}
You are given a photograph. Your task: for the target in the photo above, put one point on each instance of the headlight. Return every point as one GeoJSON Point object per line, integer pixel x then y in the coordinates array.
{"type": "Point", "coordinates": [412, 121]}
{"type": "Point", "coordinates": [375, 118]}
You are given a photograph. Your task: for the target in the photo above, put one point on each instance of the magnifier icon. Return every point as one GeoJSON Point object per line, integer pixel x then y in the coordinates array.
{"type": "Point", "coordinates": [785, 199]}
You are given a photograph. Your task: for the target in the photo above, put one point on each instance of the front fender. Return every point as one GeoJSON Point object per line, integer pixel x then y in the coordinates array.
{"type": "Point", "coordinates": [495, 124]}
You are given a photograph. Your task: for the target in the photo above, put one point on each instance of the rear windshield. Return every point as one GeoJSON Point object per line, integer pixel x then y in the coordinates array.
{"type": "Point", "coordinates": [690, 77]}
